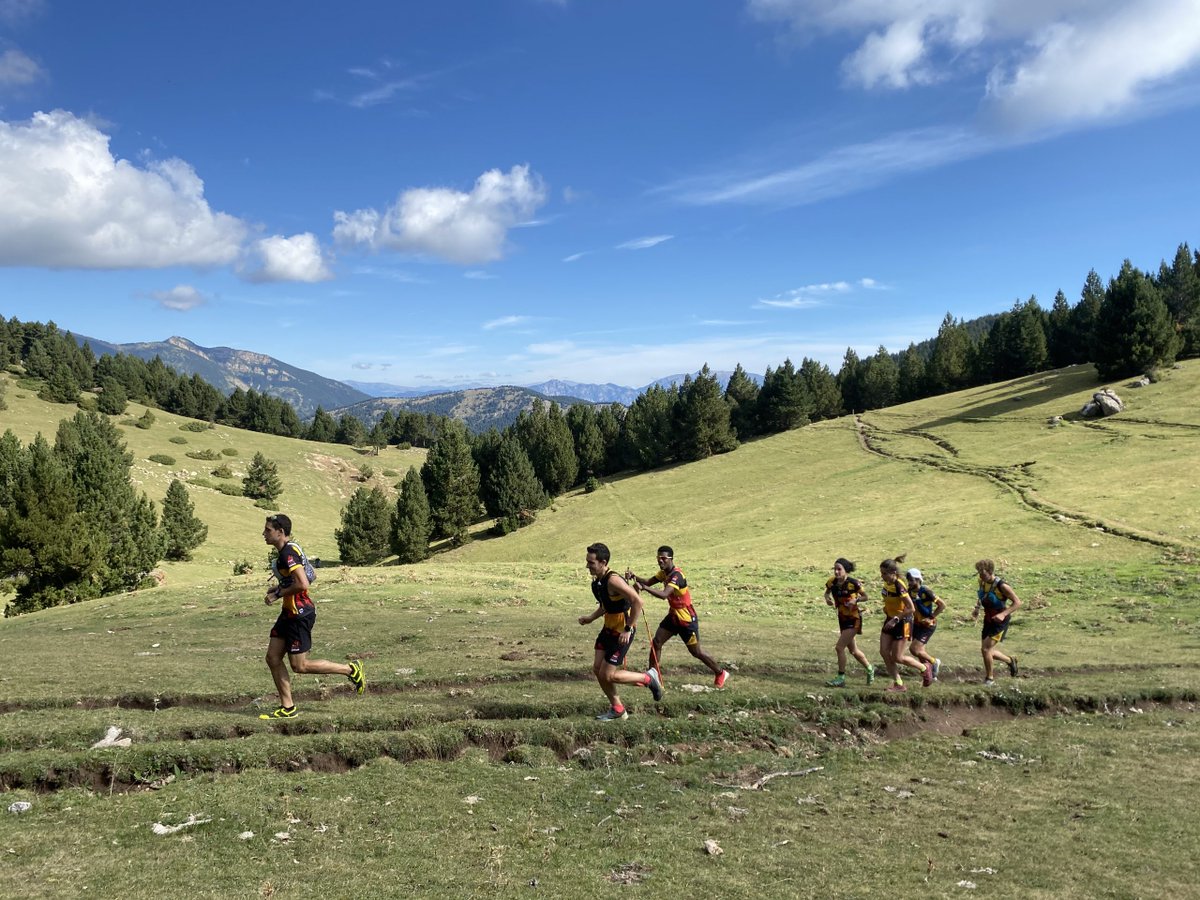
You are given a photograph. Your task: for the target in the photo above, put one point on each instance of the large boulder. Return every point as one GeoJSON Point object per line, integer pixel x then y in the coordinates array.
{"type": "Point", "coordinates": [1103, 403]}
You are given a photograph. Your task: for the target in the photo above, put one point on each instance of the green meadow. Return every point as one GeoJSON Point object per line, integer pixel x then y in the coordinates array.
{"type": "Point", "coordinates": [474, 765]}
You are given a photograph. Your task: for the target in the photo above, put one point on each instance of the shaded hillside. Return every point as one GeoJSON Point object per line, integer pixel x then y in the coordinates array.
{"type": "Point", "coordinates": [477, 408]}
{"type": "Point", "coordinates": [228, 369]}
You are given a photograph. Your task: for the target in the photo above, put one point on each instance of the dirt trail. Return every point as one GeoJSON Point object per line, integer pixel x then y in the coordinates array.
{"type": "Point", "coordinates": [1010, 478]}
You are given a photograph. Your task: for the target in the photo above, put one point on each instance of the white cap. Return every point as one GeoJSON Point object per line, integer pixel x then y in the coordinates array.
{"type": "Point", "coordinates": [914, 574]}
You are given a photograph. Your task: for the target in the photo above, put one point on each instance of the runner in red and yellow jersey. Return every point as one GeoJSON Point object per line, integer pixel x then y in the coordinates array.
{"type": "Point", "coordinates": [897, 628]}
{"type": "Point", "coordinates": [845, 594]}
{"type": "Point", "coordinates": [681, 617]}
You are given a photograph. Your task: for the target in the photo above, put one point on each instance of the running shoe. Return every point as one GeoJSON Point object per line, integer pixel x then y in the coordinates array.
{"type": "Point", "coordinates": [722, 677]}
{"type": "Point", "coordinates": [840, 681]}
{"type": "Point", "coordinates": [896, 689]}
{"type": "Point", "coordinates": [282, 713]}
{"type": "Point", "coordinates": [937, 667]}
{"type": "Point", "coordinates": [356, 676]}
{"type": "Point", "coordinates": [1012, 666]}
{"type": "Point", "coordinates": [927, 675]}
{"type": "Point", "coordinates": [612, 715]}
{"type": "Point", "coordinates": [655, 685]}
{"type": "Point", "coordinates": [989, 682]}
{"type": "Point", "coordinates": [870, 674]}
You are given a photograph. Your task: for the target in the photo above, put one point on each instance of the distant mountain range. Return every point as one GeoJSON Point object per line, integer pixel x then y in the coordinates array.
{"type": "Point", "coordinates": [592, 393]}
{"type": "Point", "coordinates": [479, 406]}
{"type": "Point", "coordinates": [227, 369]}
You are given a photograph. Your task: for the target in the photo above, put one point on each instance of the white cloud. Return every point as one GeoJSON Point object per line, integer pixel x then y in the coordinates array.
{"type": "Point", "coordinates": [17, 10]}
{"type": "Point", "coordinates": [181, 298]}
{"type": "Point", "coordinates": [1044, 64]}
{"type": "Point", "coordinates": [68, 203]}
{"type": "Point", "coordinates": [18, 70]}
{"type": "Point", "coordinates": [842, 171]}
{"type": "Point", "coordinates": [506, 322]}
{"type": "Point", "coordinates": [480, 275]}
{"type": "Point", "coordinates": [466, 228]}
{"type": "Point", "coordinates": [809, 295]}
{"type": "Point", "coordinates": [551, 348]}
{"type": "Point", "coordinates": [576, 256]}
{"type": "Point", "coordinates": [277, 258]}
{"type": "Point", "coordinates": [645, 242]}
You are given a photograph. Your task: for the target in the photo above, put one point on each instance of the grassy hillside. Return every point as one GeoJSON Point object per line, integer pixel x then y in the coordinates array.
{"type": "Point", "coordinates": [474, 766]}
{"type": "Point", "coordinates": [318, 478]}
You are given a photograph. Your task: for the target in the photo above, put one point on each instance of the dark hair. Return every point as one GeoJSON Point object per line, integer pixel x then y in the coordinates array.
{"type": "Point", "coordinates": [600, 551]}
{"type": "Point", "coordinates": [667, 550]}
{"type": "Point", "coordinates": [892, 566]}
{"type": "Point", "coordinates": [282, 522]}
{"type": "Point", "coordinates": [845, 564]}
{"type": "Point", "coordinates": [985, 565]}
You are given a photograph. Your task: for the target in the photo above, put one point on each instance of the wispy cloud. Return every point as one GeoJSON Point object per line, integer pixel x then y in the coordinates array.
{"type": "Point", "coordinates": [506, 322]}
{"type": "Point", "coordinates": [390, 274]}
{"type": "Point", "coordinates": [480, 275]}
{"type": "Point", "coordinates": [644, 243]}
{"type": "Point", "coordinates": [811, 295]}
{"type": "Point", "coordinates": [576, 256]}
{"type": "Point", "coordinates": [18, 70]}
{"type": "Point", "coordinates": [842, 171]}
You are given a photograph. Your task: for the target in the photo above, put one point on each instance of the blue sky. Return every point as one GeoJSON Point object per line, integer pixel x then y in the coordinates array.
{"type": "Point", "coordinates": [596, 190]}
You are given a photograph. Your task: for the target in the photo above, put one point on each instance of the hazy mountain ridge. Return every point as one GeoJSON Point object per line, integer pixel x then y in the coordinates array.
{"type": "Point", "coordinates": [478, 408]}
{"type": "Point", "coordinates": [227, 369]}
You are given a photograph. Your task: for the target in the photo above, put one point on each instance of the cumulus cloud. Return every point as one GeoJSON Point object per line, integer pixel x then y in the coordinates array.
{"type": "Point", "coordinates": [180, 298]}
{"type": "Point", "coordinates": [645, 242]}
{"type": "Point", "coordinates": [468, 228]}
{"type": "Point", "coordinates": [1041, 63]}
{"type": "Point", "coordinates": [18, 70]}
{"type": "Point", "coordinates": [69, 203]}
{"type": "Point", "coordinates": [277, 258]}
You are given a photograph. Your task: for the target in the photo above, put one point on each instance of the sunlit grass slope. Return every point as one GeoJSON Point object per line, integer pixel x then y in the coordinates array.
{"type": "Point", "coordinates": [317, 478]}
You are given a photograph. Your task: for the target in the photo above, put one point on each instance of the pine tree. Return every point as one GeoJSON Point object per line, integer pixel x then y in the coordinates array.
{"type": "Point", "coordinates": [262, 480]}
{"type": "Point", "coordinates": [1058, 332]}
{"type": "Point", "coordinates": [1134, 330]}
{"type": "Point", "coordinates": [949, 366]}
{"type": "Point", "coordinates": [112, 400]}
{"type": "Point", "coordinates": [880, 379]}
{"type": "Point", "coordinates": [822, 388]}
{"type": "Point", "coordinates": [350, 431]}
{"type": "Point", "coordinates": [323, 428]}
{"type": "Point", "coordinates": [1180, 288]}
{"type": "Point", "coordinates": [741, 395]}
{"type": "Point", "coordinates": [91, 448]}
{"type": "Point", "coordinates": [46, 545]}
{"type": "Point", "coordinates": [609, 421]}
{"type": "Point", "coordinates": [586, 438]}
{"type": "Point", "coordinates": [451, 484]}
{"type": "Point", "coordinates": [849, 381]}
{"type": "Point", "coordinates": [910, 384]}
{"type": "Point", "coordinates": [702, 418]}
{"type": "Point", "coordinates": [365, 535]}
{"type": "Point", "coordinates": [1084, 316]}
{"type": "Point", "coordinates": [519, 494]}
{"type": "Point", "coordinates": [182, 531]}
{"type": "Point", "coordinates": [645, 432]}
{"type": "Point", "coordinates": [411, 525]}
{"type": "Point", "coordinates": [546, 437]}
{"type": "Point", "coordinates": [783, 402]}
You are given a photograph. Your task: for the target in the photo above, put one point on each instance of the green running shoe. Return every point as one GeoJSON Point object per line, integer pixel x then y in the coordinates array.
{"type": "Point", "coordinates": [282, 713]}
{"type": "Point", "coordinates": [840, 681]}
{"type": "Point", "coordinates": [356, 676]}
{"type": "Point", "coordinates": [870, 674]}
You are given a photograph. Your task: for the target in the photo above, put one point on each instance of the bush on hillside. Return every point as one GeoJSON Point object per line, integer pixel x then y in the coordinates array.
{"type": "Point", "coordinates": [229, 451]}
{"type": "Point", "coordinates": [204, 455]}
{"type": "Point", "coordinates": [178, 439]}
{"type": "Point", "coordinates": [161, 459]}
{"type": "Point", "coordinates": [195, 426]}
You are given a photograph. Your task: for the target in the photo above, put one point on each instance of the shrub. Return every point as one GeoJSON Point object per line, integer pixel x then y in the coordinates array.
{"type": "Point", "coordinates": [222, 471]}
{"type": "Point", "coordinates": [88, 403]}
{"type": "Point", "coordinates": [177, 439]}
{"type": "Point", "coordinates": [390, 473]}
{"type": "Point", "coordinates": [591, 485]}
{"type": "Point", "coordinates": [264, 503]}
{"type": "Point", "coordinates": [205, 455]}
{"type": "Point", "coordinates": [145, 420]}
{"type": "Point", "coordinates": [195, 426]}
{"type": "Point", "coordinates": [243, 567]}
{"type": "Point", "coordinates": [162, 459]}
{"type": "Point", "coordinates": [229, 451]}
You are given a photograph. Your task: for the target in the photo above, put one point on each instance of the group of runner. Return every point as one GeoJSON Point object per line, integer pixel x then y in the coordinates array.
{"type": "Point", "coordinates": [911, 609]}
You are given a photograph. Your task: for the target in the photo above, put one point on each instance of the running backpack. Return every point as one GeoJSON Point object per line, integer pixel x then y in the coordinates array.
{"type": "Point", "coordinates": [309, 571]}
